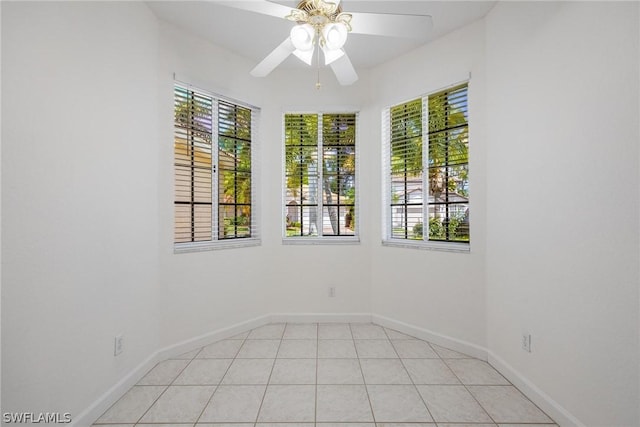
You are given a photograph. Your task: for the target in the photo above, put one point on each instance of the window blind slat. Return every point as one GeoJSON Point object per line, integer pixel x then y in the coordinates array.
{"type": "Point", "coordinates": [427, 182]}
{"type": "Point", "coordinates": [214, 190]}
{"type": "Point", "coordinates": [320, 166]}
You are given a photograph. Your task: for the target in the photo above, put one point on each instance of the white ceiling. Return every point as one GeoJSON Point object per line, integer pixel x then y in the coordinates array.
{"type": "Point", "coordinates": [254, 35]}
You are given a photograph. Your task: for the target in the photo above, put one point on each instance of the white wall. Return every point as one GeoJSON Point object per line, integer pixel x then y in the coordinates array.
{"type": "Point", "coordinates": [0, 218]}
{"type": "Point", "coordinates": [562, 201]}
{"type": "Point", "coordinates": [79, 199]}
{"type": "Point", "coordinates": [202, 292]}
{"type": "Point", "coordinates": [303, 274]}
{"type": "Point", "coordinates": [87, 201]}
{"type": "Point", "coordinates": [438, 291]}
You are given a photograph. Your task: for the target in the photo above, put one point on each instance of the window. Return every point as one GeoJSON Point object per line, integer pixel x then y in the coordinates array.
{"type": "Point", "coordinates": [320, 177]}
{"type": "Point", "coordinates": [214, 145]}
{"type": "Point", "coordinates": [426, 164]}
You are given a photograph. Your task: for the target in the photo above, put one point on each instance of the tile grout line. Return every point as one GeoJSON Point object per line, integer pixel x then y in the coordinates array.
{"type": "Point", "coordinates": [410, 377]}
{"type": "Point", "coordinates": [221, 378]}
{"type": "Point", "coordinates": [444, 360]}
{"type": "Point", "coordinates": [216, 386]}
{"type": "Point", "coordinates": [166, 387]}
{"type": "Point", "coordinates": [466, 386]}
{"type": "Point", "coordinates": [469, 391]}
{"type": "Point", "coordinates": [364, 381]}
{"type": "Point", "coordinates": [156, 400]}
{"type": "Point", "coordinates": [553, 423]}
{"type": "Point", "coordinates": [270, 373]}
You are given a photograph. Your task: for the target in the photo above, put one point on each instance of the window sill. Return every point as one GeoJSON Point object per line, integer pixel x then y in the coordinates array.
{"type": "Point", "coordinates": [351, 240]}
{"type": "Point", "coordinates": [430, 246]}
{"type": "Point", "coordinates": [182, 248]}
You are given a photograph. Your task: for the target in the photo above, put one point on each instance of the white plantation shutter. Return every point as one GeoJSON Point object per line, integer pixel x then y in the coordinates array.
{"type": "Point", "coordinates": [406, 164]}
{"type": "Point", "coordinates": [193, 173]}
{"type": "Point", "coordinates": [448, 166]}
{"type": "Point", "coordinates": [234, 171]}
{"type": "Point", "coordinates": [215, 152]}
{"type": "Point", "coordinates": [338, 174]}
{"type": "Point", "coordinates": [302, 191]}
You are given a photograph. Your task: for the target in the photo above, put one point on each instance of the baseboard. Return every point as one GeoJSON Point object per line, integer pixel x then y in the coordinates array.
{"type": "Point", "coordinates": [111, 396]}
{"type": "Point", "coordinates": [537, 396]}
{"type": "Point", "coordinates": [434, 337]}
{"type": "Point", "coordinates": [104, 402]}
{"type": "Point", "coordinates": [547, 404]}
{"type": "Point", "coordinates": [210, 337]}
{"type": "Point", "coordinates": [321, 317]}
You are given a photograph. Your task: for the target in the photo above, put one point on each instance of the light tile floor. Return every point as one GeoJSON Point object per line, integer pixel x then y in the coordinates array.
{"type": "Point", "coordinates": [323, 374]}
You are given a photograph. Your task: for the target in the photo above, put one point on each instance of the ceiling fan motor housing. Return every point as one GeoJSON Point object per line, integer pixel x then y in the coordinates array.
{"type": "Point", "coordinates": [320, 12]}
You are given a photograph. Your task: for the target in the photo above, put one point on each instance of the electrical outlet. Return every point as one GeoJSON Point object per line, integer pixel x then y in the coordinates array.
{"type": "Point", "coordinates": [118, 345]}
{"type": "Point", "coordinates": [332, 291]}
{"type": "Point", "coordinates": [526, 342]}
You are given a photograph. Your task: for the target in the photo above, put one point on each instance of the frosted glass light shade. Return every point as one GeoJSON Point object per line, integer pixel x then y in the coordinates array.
{"type": "Point", "coordinates": [302, 37]}
{"type": "Point", "coordinates": [335, 35]}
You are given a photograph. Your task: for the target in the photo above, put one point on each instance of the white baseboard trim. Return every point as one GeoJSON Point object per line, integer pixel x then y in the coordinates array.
{"type": "Point", "coordinates": [208, 338]}
{"type": "Point", "coordinates": [434, 337]}
{"type": "Point", "coordinates": [546, 403]}
{"type": "Point", "coordinates": [111, 396]}
{"type": "Point", "coordinates": [104, 402]}
{"type": "Point", "coordinates": [321, 317]}
{"type": "Point", "coordinates": [537, 396]}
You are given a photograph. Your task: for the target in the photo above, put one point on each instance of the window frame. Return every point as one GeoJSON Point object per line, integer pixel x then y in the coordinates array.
{"type": "Point", "coordinates": [216, 242]}
{"type": "Point", "coordinates": [321, 239]}
{"type": "Point", "coordinates": [387, 226]}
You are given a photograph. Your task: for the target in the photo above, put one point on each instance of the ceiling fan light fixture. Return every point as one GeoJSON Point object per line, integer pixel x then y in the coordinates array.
{"type": "Point", "coordinates": [302, 37]}
{"type": "Point", "coordinates": [334, 35]}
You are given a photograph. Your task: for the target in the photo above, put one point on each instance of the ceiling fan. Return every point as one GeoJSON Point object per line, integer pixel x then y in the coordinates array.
{"type": "Point", "coordinates": [323, 26]}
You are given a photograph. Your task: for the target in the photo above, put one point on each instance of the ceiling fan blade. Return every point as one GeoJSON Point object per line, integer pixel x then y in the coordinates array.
{"type": "Point", "coordinates": [259, 6]}
{"type": "Point", "coordinates": [332, 55]}
{"type": "Point", "coordinates": [275, 58]}
{"type": "Point", "coordinates": [344, 71]}
{"type": "Point", "coordinates": [305, 56]}
{"type": "Point", "coordinates": [392, 25]}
